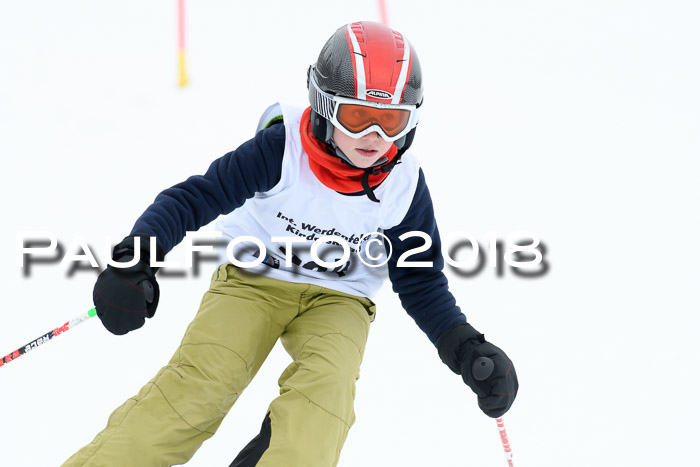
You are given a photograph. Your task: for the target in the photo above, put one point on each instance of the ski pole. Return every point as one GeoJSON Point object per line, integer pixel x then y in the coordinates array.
{"type": "Point", "coordinates": [48, 336]}
{"type": "Point", "coordinates": [504, 441]}
{"type": "Point", "coordinates": [482, 369]}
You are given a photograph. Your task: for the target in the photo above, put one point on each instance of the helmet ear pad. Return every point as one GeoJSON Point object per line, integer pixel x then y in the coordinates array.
{"type": "Point", "coordinates": [403, 143]}
{"type": "Point", "coordinates": [321, 128]}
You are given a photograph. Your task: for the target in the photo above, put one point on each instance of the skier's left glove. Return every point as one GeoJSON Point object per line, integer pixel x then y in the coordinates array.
{"type": "Point", "coordinates": [459, 347]}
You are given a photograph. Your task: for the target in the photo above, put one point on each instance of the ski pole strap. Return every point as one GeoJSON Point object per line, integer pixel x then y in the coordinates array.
{"type": "Point", "coordinates": [48, 336]}
{"type": "Point", "coordinates": [504, 441]}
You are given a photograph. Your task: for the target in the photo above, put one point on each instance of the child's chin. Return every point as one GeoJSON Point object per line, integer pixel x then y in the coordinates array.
{"type": "Point", "coordinates": [364, 162]}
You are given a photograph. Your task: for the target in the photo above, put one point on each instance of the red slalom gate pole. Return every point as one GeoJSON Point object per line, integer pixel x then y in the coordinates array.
{"type": "Point", "coordinates": [382, 12]}
{"type": "Point", "coordinates": [504, 441]}
{"type": "Point", "coordinates": [182, 69]}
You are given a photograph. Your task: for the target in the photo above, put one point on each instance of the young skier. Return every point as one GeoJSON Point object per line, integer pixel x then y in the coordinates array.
{"type": "Point", "coordinates": [331, 170]}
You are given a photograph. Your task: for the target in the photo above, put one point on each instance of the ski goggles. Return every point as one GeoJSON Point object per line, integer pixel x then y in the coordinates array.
{"type": "Point", "coordinates": [357, 118]}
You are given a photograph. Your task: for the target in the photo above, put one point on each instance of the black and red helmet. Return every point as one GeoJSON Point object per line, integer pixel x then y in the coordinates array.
{"type": "Point", "coordinates": [372, 65]}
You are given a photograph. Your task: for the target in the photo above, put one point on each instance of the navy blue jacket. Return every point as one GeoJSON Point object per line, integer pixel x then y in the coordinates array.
{"type": "Point", "coordinates": [256, 166]}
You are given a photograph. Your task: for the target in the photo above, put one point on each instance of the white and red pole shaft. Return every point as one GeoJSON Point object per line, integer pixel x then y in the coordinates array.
{"type": "Point", "coordinates": [15, 354]}
{"type": "Point", "coordinates": [481, 370]}
{"type": "Point", "coordinates": [504, 441]}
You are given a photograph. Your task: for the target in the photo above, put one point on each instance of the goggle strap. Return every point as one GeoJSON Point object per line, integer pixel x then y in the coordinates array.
{"type": "Point", "coordinates": [324, 104]}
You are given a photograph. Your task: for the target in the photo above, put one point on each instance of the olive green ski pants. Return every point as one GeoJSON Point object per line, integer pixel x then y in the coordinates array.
{"type": "Point", "coordinates": [239, 320]}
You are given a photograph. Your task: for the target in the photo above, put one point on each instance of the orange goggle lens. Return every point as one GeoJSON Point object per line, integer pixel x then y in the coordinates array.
{"type": "Point", "coordinates": [356, 118]}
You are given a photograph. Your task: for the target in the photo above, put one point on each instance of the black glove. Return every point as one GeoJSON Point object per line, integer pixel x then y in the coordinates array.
{"type": "Point", "coordinates": [459, 347]}
{"type": "Point", "coordinates": [125, 297]}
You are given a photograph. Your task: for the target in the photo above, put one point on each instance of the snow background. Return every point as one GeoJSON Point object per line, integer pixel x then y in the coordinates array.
{"type": "Point", "coordinates": [575, 120]}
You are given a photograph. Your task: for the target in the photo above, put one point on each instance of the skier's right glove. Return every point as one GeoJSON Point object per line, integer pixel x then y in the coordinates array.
{"type": "Point", "coordinates": [125, 297]}
{"type": "Point", "coordinates": [459, 347]}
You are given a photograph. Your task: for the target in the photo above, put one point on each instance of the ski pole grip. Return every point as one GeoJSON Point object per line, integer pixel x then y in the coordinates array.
{"type": "Point", "coordinates": [482, 368]}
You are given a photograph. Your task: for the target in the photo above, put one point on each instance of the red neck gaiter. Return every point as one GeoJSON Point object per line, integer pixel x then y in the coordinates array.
{"type": "Point", "coordinates": [332, 171]}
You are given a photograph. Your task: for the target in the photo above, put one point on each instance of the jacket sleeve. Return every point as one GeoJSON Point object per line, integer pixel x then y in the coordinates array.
{"type": "Point", "coordinates": [256, 166]}
{"type": "Point", "coordinates": [423, 291]}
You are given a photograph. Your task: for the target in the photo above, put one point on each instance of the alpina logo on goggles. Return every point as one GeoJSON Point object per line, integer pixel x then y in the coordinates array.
{"type": "Point", "coordinates": [357, 118]}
